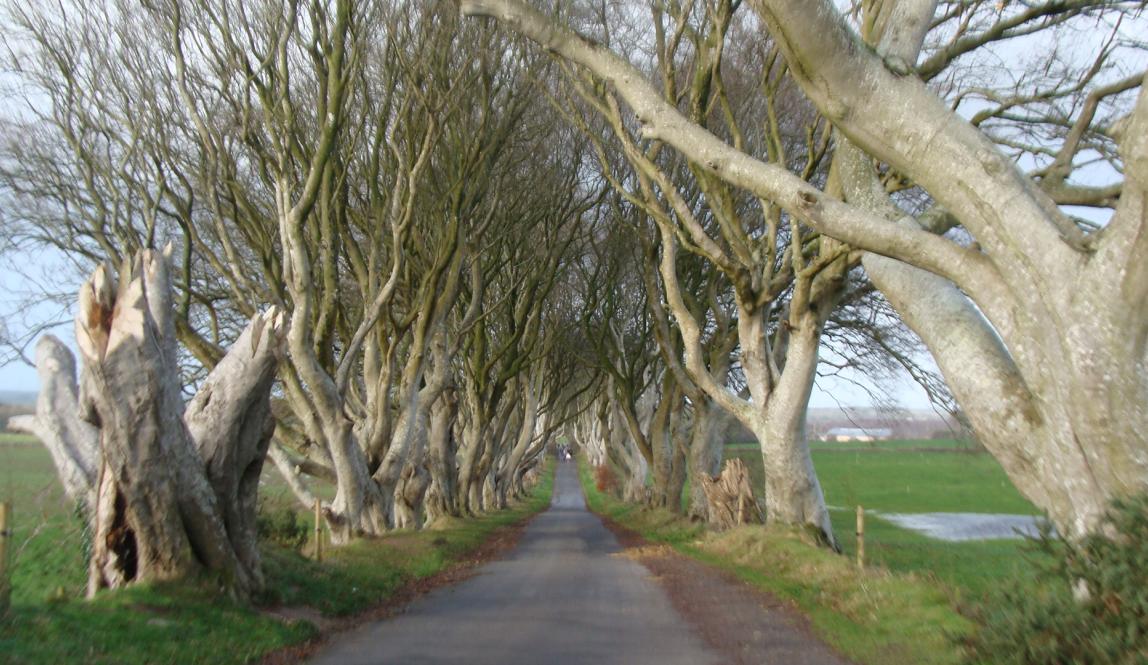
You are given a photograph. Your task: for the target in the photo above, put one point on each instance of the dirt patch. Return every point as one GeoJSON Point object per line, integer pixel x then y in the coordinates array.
{"type": "Point", "coordinates": [501, 540]}
{"type": "Point", "coordinates": [742, 623]}
{"type": "Point", "coordinates": [641, 552]}
{"type": "Point", "coordinates": [293, 613]}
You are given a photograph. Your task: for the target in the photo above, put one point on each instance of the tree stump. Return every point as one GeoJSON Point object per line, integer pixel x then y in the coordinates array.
{"type": "Point", "coordinates": [730, 497]}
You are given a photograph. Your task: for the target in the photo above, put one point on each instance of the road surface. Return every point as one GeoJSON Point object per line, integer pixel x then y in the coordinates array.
{"type": "Point", "coordinates": [564, 597]}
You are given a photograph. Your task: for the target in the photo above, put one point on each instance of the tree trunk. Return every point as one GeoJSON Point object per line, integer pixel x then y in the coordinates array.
{"type": "Point", "coordinates": [410, 492]}
{"type": "Point", "coordinates": [792, 492]}
{"type": "Point", "coordinates": [662, 441]}
{"type": "Point", "coordinates": [175, 493]}
{"type": "Point", "coordinates": [679, 438]}
{"type": "Point", "coordinates": [631, 460]}
{"type": "Point", "coordinates": [231, 422]}
{"type": "Point", "coordinates": [482, 490]}
{"type": "Point", "coordinates": [1036, 429]}
{"type": "Point", "coordinates": [358, 506]}
{"type": "Point", "coordinates": [705, 454]}
{"type": "Point", "coordinates": [505, 480]}
{"type": "Point", "coordinates": [473, 445]}
{"type": "Point", "coordinates": [72, 441]}
{"type": "Point", "coordinates": [442, 500]}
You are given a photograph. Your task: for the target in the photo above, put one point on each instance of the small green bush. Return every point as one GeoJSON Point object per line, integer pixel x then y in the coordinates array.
{"type": "Point", "coordinates": [281, 526]}
{"type": "Point", "coordinates": [1088, 602]}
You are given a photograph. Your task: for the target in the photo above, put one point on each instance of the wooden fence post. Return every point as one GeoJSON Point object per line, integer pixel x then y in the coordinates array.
{"type": "Point", "coordinates": [318, 530]}
{"type": "Point", "coordinates": [860, 537]}
{"type": "Point", "coordinates": [5, 536]}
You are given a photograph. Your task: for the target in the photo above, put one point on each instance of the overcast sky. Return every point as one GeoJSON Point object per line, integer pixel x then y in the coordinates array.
{"type": "Point", "coordinates": [828, 392]}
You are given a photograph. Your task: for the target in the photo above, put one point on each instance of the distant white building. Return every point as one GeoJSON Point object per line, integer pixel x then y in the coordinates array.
{"type": "Point", "coordinates": [857, 434]}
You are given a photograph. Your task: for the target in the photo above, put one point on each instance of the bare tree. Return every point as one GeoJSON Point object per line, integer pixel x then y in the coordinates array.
{"type": "Point", "coordinates": [763, 282]}
{"type": "Point", "coordinates": [1049, 374]}
{"type": "Point", "coordinates": [344, 162]}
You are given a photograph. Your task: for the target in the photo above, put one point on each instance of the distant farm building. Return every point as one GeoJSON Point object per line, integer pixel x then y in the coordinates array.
{"type": "Point", "coordinates": [857, 434]}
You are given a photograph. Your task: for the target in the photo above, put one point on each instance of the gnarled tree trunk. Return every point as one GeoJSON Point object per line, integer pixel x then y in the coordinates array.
{"type": "Point", "coordinates": [72, 441]}
{"type": "Point", "coordinates": [441, 499]}
{"type": "Point", "coordinates": [174, 492]}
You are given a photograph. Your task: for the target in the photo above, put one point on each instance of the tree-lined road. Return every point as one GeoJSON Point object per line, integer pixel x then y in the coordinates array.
{"type": "Point", "coordinates": [561, 597]}
{"type": "Point", "coordinates": [565, 596]}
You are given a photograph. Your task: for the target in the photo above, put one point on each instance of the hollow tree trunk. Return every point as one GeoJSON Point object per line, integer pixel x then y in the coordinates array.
{"type": "Point", "coordinates": [173, 494]}
{"type": "Point", "coordinates": [231, 422]}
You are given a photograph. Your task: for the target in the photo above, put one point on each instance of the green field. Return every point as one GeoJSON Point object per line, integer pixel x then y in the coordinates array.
{"type": "Point", "coordinates": [50, 622]}
{"type": "Point", "coordinates": [890, 445]}
{"type": "Point", "coordinates": [897, 478]}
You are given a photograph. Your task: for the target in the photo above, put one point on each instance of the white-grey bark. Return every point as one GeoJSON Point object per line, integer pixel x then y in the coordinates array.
{"type": "Point", "coordinates": [705, 456]}
{"type": "Point", "coordinates": [506, 477]}
{"type": "Point", "coordinates": [72, 442]}
{"type": "Point", "coordinates": [166, 504]}
{"type": "Point", "coordinates": [1068, 309]}
{"type": "Point", "coordinates": [230, 421]}
{"type": "Point", "coordinates": [441, 500]}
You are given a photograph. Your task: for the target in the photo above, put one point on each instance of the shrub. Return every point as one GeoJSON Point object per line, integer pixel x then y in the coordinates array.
{"type": "Point", "coordinates": [281, 526]}
{"type": "Point", "coordinates": [605, 479]}
{"type": "Point", "coordinates": [1088, 602]}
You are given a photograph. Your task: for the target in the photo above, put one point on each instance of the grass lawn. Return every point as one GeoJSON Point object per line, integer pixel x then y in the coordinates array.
{"type": "Point", "coordinates": [50, 622]}
{"type": "Point", "coordinates": [894, 479]}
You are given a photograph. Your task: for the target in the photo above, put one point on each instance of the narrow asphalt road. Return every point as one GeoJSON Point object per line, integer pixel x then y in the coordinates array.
{"type": "Point", "coordinates": [560, 598]}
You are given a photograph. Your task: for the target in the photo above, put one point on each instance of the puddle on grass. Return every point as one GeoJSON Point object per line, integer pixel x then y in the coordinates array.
{"type": "Point", "coordinates": [966, 526]}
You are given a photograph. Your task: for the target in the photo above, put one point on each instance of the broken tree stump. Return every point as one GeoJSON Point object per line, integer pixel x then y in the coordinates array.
{"type": "Point", "coordinates": [730, 497]}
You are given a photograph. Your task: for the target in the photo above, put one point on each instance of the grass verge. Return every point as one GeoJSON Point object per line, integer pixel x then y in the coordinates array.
{"type": "Point", "coordinates": [874, 616]}
{"type": "Point", "coordinates": [897, 480]}
{"type": "Point", "coordinates": [189, 623]}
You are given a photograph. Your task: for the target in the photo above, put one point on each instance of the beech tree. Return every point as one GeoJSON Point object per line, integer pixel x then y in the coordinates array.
{"type": "Point", "coordinates": [757, 281]}
{"type": "Point", "coordinates": [168, 490]}
{"type": "Point", "coordinates": [1049, 372]}
{"type": "Point", "coordinates": [351, 163]}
